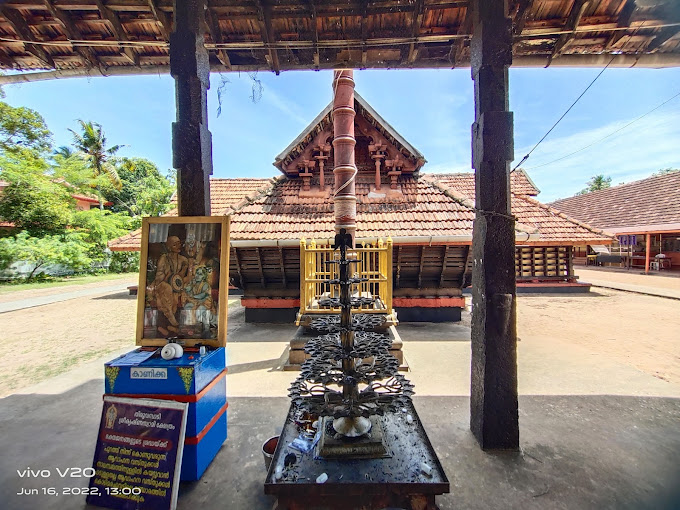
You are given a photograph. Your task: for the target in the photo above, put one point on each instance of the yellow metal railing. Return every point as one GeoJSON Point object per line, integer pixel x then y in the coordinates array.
{"type": "Point", "coordinates": [376, 266]}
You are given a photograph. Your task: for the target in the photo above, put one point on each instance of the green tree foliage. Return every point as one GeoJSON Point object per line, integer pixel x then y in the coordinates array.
{"type": "Point", "coordinates": [597, 182]}
{"type": "Point", "coordinates": [124, 262]}
{"type": "Point", "coordinates": [33, 201]}
{"type": "Point", "coordinates": [73, 168]}
{"type": "Point", "coordinates": [665, 171]}
{"type": "Point", "coordinates": [97, 228]}
{"type": "Point", "coordinates": [22, 128]}
{"type": "Point", "coordinates": [69, 250]}
{"type": "Point", "coordinates": [92, 143]}
{"type": "Point", "coordinates": [144, 190]}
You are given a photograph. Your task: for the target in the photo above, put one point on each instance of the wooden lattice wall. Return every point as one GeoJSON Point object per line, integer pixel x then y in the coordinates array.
{"type": "Point", "coordinates": [543, 263]}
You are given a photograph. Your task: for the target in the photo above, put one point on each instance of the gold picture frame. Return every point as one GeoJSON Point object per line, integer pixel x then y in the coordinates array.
{"type": "Point", "coordinates": [183, 281]}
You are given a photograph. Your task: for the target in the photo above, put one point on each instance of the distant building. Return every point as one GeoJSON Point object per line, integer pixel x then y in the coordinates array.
{"type": "Point", "coordinates": [633, 212]}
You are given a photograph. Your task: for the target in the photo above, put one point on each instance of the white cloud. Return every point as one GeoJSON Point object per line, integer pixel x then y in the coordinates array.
{"type": "Point", "coordinates": [633, 153]}
{"type": "Point", "coordinates": [288, 107]}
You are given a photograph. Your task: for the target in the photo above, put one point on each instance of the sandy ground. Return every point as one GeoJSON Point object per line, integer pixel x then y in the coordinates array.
{"type": "Point", "coordinates": [47, 340]}
{"type": "Point", "coordinates": [632, 329]}
{"type": "Point", "coordinates": [659, 279]}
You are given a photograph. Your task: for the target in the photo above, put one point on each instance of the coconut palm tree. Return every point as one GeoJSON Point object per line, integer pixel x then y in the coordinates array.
{"type": "Point", "coordinates": [92, 143]}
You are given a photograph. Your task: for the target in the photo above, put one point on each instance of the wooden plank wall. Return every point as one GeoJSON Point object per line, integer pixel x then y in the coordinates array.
{"type": "Point", "coordinates": [266, 270]}
{"type": "Point", "coordinates": [419, 267]}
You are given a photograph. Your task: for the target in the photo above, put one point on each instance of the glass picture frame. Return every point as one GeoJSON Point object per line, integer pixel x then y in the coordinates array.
{"type": "Point", "coordinates": [183, 281]}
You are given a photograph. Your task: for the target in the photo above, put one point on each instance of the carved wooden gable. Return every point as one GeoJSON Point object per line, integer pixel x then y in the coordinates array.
{"type": "Point", "coordinates": [380, 151]}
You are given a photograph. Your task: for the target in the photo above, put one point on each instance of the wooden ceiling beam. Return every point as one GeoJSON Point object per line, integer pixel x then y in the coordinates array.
{"type": "Point", "coordinates": [465, 28]}
{"type": "Point", "coordinates": [87, 55]}
{"type": "Point", "coordinates": [24, 31]}
{"type": "Point", "coordinates": [118, 31]}
{"type": "Point", "coordinates": [164, 22]}
{"type": "Point", "coordinates": [315, 33]}
{"type": "Point", "coordinates": [216, 35]}
{"type": "Point", "coordinates": [575, 15]}
{"type": "Point", "coordinates": [416, 23]}
{"type": "Point", "coordinates": [264, 18]}
{"type": "Point", "coordinates": [364, 33]}
{"type": "Point", "coordinates": [625, 17]}
{"type": "Point", "coordinates": [663, 36]}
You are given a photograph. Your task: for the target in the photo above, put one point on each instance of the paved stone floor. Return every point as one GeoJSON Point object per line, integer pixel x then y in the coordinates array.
{"type": "Point", "coordinates": [594, 433]}
{"type": "Point", "coordinates": [578, 452]}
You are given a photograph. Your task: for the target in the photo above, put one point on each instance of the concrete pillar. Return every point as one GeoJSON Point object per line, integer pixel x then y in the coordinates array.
{"type": "Point", "coordinates": [191, 140]}
{"type": "Point", "coordinates": [493, 403]}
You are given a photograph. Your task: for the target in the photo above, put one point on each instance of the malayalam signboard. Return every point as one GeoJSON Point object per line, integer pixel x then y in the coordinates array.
{"type": "Point", "coordinates": [139, 454]}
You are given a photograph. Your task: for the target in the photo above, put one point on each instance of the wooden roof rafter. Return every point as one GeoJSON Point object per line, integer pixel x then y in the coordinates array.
{"type": "Point", "coordinates": [623, 21]}
{"type": "Point", "coordinates": [458, 45]}
{"type": "Point", "coordinates": [118, 30]}
{"type": "Point", "coordinates": [664, 35]}
{"type": "Point", "coordinates": [87, 54]}
{"type": "Point", "coordinates": [521, 17]}
{"type": "Point", "coordinates": [264, 18]}
{"type": "Point", "coordinates": [22, 28]}
{"type": "Point", "coordinates": [164, 22]}
{"type": "Point", "coordinates": [416, 24]}
{"type": "Point", "coordinates": [575, 15]}
{"type": "Point", "coordinates": [364, 32]}
{"type": "Point", "coordinates": [213, 23]}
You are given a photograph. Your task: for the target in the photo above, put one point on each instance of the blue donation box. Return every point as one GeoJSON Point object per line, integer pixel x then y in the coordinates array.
{"type": "Point", "coordinates": [199, 380]}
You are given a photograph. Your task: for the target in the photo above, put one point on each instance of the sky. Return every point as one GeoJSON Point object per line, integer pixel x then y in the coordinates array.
{"type": "Point", "coordinates": [432, 109]}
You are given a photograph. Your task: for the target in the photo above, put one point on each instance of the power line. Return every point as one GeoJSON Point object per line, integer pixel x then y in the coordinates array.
{"type": "Point", "coordinates": [574, 103]}
{"type": "Point", "coordinates": [607, 136]}
{"type": "Point", "coordinates": [563, 115]}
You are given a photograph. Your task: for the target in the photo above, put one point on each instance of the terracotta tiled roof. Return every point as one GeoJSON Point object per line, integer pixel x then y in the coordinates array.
{"type": "Point", "coordinates": [554, 225]}
{"type": "Point", "coordinates": [425, 208]}
{"type": "Point", "coordinates": [464, 182]}
{"type": "Point", "coordinates": [422, 210]}
{"type": "Point", "coordinates": [551, 224]}
{"type": "Point", "coordinates": [228, 192]}
{"type": "Point", "coordinates": [652, 204]}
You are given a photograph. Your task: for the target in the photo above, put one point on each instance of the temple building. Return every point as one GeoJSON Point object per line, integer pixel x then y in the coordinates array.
{"type": "Point", "coordinates": [427, 220]}
{"type": "Point", "coordinates": [644, 216]}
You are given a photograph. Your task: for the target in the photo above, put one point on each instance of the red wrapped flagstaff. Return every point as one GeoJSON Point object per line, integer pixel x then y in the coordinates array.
{"type": "Point", "coordinates": [345, 171]}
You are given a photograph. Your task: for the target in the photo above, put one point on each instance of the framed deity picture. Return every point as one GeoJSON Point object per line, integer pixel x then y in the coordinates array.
{"type": "Point", "coordinates": [183, 275]}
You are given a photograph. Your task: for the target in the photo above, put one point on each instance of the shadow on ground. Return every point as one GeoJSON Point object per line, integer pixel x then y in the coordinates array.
{"type": "Point", "coordinates": [578, 452]}
{"type": "Point", "coordinates": [118, 295]}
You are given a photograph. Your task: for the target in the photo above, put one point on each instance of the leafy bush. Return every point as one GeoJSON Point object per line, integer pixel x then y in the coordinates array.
{"type": "Point", "coordinates": [69, 250]}
{"type": "Point", "coordinates": [98, 227]}
{"type": "Point", "coordinates": [124, 262]}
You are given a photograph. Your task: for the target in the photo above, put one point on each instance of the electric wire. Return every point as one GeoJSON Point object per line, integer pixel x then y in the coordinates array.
{"type": "Point", "coordinates": [607, 136]}
{"type": "Point", "coordinates": [630, 36]}
{"type": "Point", "coordinates": [563, 115]}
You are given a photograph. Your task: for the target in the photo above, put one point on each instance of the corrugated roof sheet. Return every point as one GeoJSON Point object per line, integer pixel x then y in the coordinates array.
{"type": "Point", "coordinates": [649, 202]}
